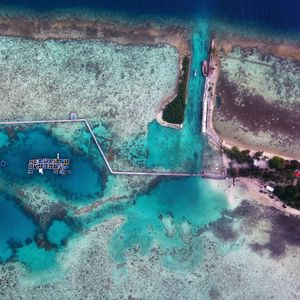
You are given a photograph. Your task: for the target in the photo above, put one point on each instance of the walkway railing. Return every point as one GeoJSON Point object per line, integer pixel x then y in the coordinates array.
{"type": "Point", "coordinates": [130, 173]}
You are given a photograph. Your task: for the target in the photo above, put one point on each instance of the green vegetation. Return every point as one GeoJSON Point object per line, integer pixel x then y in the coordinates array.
{"type": "Point", "coordinates": [239, 156]}
{"type": "Point", "coordinates": [279, 171]}
{"type": "Point", "coordinates": [174, 111]}
{"type": "Point", "coordinates": [289, 194]}
{"type": "Point", "coordinates": [277, 163]}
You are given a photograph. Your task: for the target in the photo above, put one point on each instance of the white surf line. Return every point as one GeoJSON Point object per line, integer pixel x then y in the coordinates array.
{"type": "Point", "coordinates": [131, 173]}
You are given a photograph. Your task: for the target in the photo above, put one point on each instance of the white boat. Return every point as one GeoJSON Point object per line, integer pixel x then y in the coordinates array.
{"type": "Point", "coordinates": [195, 73]}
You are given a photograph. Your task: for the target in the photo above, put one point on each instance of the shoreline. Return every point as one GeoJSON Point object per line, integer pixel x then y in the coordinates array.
{"type": "Point", "coordinates": [243, 186]}
{"type": "Point", "coordinates": [286, 50]}
{"type": "Point", "coordinates": [253, 187]}
{"type": "Point", "coordinates": [249, 189]}
{"type": "Point", "coordinates": [209, 96]}
{"type": "Point", "coordinates": [168, 99]}
{"type": "Point", "coordinates": [229, 144]}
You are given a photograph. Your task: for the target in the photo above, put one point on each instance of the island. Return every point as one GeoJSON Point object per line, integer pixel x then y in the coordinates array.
{"type": "Point", "coordinates": [253, 130]}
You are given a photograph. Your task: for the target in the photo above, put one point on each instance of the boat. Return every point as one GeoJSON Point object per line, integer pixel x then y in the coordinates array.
{"type": "Point", "coordinates": [205, 68]}
{"type": "Point", "coordinates": [195, 73]}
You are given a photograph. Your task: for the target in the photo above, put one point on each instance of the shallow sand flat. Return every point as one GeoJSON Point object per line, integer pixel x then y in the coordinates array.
{"type": "Point", "coordinates": [260, 102]}
{"type": "Point", "coordinates": [274, 144]}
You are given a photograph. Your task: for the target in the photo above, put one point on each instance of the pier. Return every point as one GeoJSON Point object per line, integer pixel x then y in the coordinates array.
{"type": "Point", "coordinates": [43, 163]}
{"type": "Point", "coordinates": [136, 173]}
{"type": "Point", "coordinates": [40, 122]}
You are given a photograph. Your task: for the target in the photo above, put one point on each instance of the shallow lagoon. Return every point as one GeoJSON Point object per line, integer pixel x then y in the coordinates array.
{"type": "Point", "coordinates": [169, 216]}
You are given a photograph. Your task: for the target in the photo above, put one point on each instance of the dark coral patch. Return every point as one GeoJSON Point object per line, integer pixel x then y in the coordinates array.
{"type": "Point", "coordinates": [223, 230]}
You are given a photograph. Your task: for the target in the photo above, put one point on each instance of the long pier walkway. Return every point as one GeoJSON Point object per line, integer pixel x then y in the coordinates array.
{"type": "Point", "coordinates": [113, 172]}
{"type": "Point", "coordinates": [40, 122]}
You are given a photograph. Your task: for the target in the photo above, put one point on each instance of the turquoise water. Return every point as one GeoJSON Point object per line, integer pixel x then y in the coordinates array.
{"type": "Point", "coordinates": [15, 226]}
{"type": "Point", "coordinates": [167, 215]}
{"type": "Point", "coordinates": [41, 197]}
{"type": "Point", "coordinates": [185, 144]}
{"type": "Point", "coordinates": [160, 218]}
{"type": "Point", "coordinates": [37, 259]}
{"type": "Point", "coordinates": [58, 232]}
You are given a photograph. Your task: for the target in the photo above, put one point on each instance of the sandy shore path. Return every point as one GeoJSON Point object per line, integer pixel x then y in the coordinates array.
{"type": "Point", "coordinates": [229, 144]}
{"type": "Point", "coordinates": [249, 189]}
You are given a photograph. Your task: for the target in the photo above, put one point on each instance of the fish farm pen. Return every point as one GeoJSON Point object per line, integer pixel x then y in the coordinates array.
{"type": "Point", "coordinates": [59, 166]}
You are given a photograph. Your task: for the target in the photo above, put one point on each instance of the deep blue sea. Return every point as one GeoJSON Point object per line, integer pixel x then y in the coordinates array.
{"type": "Point", "coordinates": [272, 14]}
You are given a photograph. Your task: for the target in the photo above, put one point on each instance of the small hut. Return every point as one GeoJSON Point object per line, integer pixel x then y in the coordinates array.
{"type": "Point", "coordinates": [73, 115]}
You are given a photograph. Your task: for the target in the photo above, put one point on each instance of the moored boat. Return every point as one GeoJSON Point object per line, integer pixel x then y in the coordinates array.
{"type": "Point", "coordinates": [205, 68]}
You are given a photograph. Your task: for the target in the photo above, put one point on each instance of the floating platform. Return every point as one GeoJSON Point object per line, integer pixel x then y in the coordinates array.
{"type": "Point", "coordinates": [59, 166]}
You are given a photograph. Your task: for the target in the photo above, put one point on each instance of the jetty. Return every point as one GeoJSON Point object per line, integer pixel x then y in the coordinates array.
{"type": "Point", "coordinates": [62, 165]}
{"type": "Point", "coordinates": [59, 166]}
